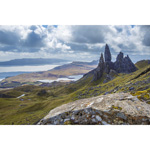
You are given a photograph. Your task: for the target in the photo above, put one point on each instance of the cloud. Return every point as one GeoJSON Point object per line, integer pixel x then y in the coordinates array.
{"type": "Point", "coordinates": [145, 30]}
{"type": "Point", "coordinates": [8, 38]}
{"type": "Point", "coordinates": [33, 40]}
{"type": "Point", "coordinates": [88, 33]}
{"type": "Point", "coordinates": [29, 38]}
{"type": "Point", "coordinates": [81, 42]}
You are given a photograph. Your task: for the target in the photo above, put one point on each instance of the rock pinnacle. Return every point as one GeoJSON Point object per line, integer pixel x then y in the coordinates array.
{"type": "Point", "coordinates": [107, 53]}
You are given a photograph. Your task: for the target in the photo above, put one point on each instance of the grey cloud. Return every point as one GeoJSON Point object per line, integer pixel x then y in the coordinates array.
{"type": "Point", "coordinates": [78, 47]}
{"type": "Point", "coordinates": [9, 38]}
{"type": "Point", "coordinates": [93, 50]}
{"type": "Point", "coordinates": [130, 47]}
{"type": "Point", "coordinates": [119, 28]}
{"type": "Point", "coordinates": [89, 33]}
{"type": "Point", "coordinates": [8, 48]}
{"type": "Point", "coordinates": [83, 40]}
{"type": "Point", "coordinates": [33, 27]}
{"type": "Point", "coordinates": [12, 41]}
{"type": "Point", "coordinates": [34, 40]}
{"type": "Point", "coordinates": [146, 34]}
{"type": "Point", "coordinates": [84, 48]}
{"type": "Point", "coordinates": [13, 48]}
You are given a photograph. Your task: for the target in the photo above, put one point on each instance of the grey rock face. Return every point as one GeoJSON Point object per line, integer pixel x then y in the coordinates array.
{"type": "Point", "coordinates": [124, 64]}
{"type": "Point", "coordinates": [121, 65]}
{"type": "Point", "coordinates": [112, 74]}
{"type": "Point", "coordinates": [101, 61]}
{"type": "Point", "coordinates": [100, 69]}
{"type": "Point", "coordinates": [108, 66]}
{"type": "Point", "coordinates": [107, 53]}
{"type": "Point", "coordinates": [118, 108]}
{"type": "Point", "coordinates": [130, 67]}
{"type": "Point", "coordinates": [120, 57]}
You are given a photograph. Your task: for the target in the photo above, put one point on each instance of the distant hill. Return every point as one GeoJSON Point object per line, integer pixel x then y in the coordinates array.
{"type": "Point", "coordinates": [32, 61]}
{"type": "Point", "coordinates": [74, 68]}
{"type": "Point", "coordinates": [10, 74]}
{"type": "Point", "coordinates": [142, 63]}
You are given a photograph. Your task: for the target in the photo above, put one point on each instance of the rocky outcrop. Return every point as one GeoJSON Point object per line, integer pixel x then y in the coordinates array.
{"type": "Point", "coordinates": [108, 66]}
{"type": "Point", "coordinates": [107, 53]}
{"type": "Point", "coordinates": [110, 76]}
{"type": "Point", "coordinates": [124, 64]}
{"type": "Point", "coordinates": [118, 108]}
{"type": "Point", "coordinates": [121, 65]}
{"type": "Point", "coordinates": [98, 72]}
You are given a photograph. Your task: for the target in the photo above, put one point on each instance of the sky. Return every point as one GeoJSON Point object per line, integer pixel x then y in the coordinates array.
{"type": "Point", "coordinates": [73, 42]}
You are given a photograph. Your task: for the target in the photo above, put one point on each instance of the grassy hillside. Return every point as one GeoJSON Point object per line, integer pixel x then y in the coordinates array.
{"type": "Point", "coordinates": [38, 101]}
{"type": "Point", "coordinates": [142, 64]}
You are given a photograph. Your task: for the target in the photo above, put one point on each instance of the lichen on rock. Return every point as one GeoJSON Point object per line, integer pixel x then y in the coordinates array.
{"type": "Point", "coordinates": [118, 108]}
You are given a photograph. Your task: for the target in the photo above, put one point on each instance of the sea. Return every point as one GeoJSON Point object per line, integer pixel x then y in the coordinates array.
{"type": "Point", "coordinates": [70, 78]}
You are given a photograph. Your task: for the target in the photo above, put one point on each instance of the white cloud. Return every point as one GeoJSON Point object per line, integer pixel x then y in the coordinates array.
{"type": "Point", "coordinates": [82, 42]}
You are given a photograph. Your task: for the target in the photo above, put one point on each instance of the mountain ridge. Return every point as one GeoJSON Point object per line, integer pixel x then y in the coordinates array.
{"type": "Point", "coordinates": [32, 61]}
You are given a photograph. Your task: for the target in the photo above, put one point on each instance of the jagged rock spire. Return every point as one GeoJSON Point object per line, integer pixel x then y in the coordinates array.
{"type": "Point", "coordinates": [124, 64]}
{"type": "Point", "coordinates": [107, 53]}
{"type": "Point", "coordinates": [100, 69]}
{"type": "Point", "coordinates": [120, 57]}
{"type": "Point", "coordinates": [101, 61]}
{"type": "Point", "coordinates": [121, 65]}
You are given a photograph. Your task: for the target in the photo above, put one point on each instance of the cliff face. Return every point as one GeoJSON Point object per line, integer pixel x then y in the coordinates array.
{"type": "Point", "coordinates": [118, 108]}
{"type": "Point", "coordinates": [107, 53]}
{"type": "Point", "coordinates": [124, 64]}
{"type": "Point", "coordinates": [121, 65]}
{"type": "Point", "coordinates": [100, 69]}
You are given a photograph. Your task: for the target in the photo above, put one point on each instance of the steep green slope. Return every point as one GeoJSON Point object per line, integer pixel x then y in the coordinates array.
{"type": "Point", "coordinates": [142, 64]}
{"type": "Point", "coordinates": [137, 81]}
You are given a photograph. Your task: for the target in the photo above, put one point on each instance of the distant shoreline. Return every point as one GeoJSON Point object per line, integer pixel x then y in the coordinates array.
{"type": "Point", "coordinates": [13, 71]}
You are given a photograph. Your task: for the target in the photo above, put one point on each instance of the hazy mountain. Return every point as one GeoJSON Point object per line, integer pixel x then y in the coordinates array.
{"type": "Point", "coordinates": [10, 74]}
{"type": "Point", "coordinates": [32, 61]}
{"type": "Point", "coordinates": [76, 64]}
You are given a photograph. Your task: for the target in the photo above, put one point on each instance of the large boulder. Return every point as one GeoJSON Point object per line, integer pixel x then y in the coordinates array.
{"type": "Point", "coordinates": [118, 108]}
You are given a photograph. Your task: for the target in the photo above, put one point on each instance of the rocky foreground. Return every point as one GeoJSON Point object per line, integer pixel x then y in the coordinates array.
{"type": "Point", "coordinates": [117, 109]}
